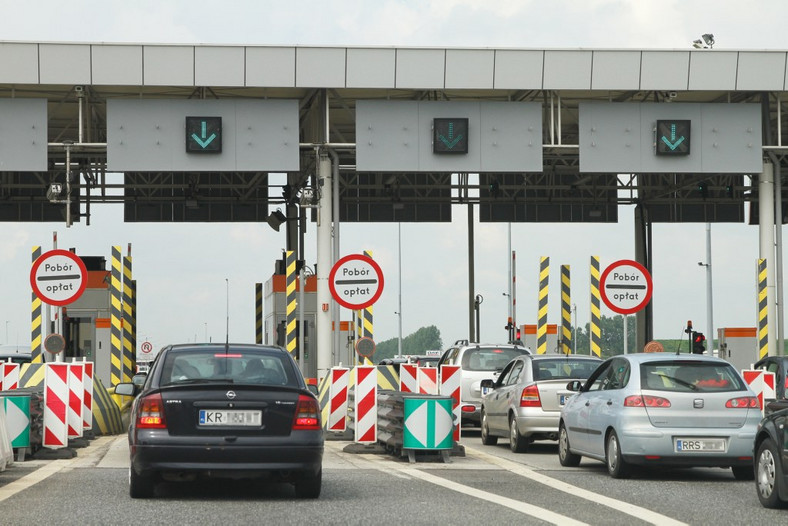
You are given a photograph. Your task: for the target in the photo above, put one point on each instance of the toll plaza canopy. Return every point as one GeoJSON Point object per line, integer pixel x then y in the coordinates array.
{"type": "Point", "coordinates": [191, 132]}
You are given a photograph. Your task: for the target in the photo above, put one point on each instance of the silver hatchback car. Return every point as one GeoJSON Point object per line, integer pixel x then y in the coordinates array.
{"type": "Point", "coordinates": [525, 402]}
{"type": "Point", "coordinates": [661, 409]}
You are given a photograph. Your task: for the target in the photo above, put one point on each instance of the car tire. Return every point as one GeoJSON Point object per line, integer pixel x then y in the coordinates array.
{"type": "Point", "coordinates": [141, 486]}
{"type": "Point", "coordinates": [309, 487]}
{"type": "Point", "coordinates": [768, 475]}
{"type": "Point", "coordinates": [517, 442]}
{"type": "Point", "coordinates": [565, 456]}
{"type": "Point", "coordinates": [617, 467]}
{"type": "Point", "coordinates": [743, 472]}
{"type": "Point", "coordinates": [487, 438]}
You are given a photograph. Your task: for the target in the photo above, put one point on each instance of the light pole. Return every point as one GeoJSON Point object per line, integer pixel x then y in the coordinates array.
{"type": "Point", "coordinates": [399, 301]}
{"type": "Point", "coordinates": [709, 304]}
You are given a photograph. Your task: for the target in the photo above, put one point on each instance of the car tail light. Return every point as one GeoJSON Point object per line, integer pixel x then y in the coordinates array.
{"type": "Point", "coordinates": [743, 402]}
{"type": "Point", "coordinates": [151, 412]}
{"type": "Point", "coordinates": [468, 408]}
{"type": "Point", "coordinates": [307, 414]}
{"type": "Point", "coordinates": [646, 401]}
{"type": "Point", "coordinates": [530, 397]}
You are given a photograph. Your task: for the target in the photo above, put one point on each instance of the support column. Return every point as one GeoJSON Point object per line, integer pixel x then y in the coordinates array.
{"type": "Point", "coordinates": [766, 241]}
{"type": "Point", "coordinates": [324, 215]}
{"type": "Point", "coordinates": [643, 325]}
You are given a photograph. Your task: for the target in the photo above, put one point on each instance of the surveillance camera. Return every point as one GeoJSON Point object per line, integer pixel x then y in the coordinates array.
{"type": "Point", "coordinates": [54, 191]}
{"type": "Point", "coordinates": [672, 94]}
{"type": "Point", "coordinates": [78, 88]}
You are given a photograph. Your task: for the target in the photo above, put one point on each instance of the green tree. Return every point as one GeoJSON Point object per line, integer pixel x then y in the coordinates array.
{"type": "Point", "coordinates": [611, 331]}
{"type": "Point", "coordinates": [424, 339]}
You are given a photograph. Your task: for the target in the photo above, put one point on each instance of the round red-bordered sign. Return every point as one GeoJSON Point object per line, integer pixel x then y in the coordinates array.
{"type": "Point", "coordinates": [58, 277]}
{"type": "Point", "coordinates": [356, 281]}
{"type": "Point", "coordinates": [628, 289]}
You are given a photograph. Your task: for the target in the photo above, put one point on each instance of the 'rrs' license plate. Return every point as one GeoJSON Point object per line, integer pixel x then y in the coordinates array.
{"type": "Point", "coordinates": [689, 445]}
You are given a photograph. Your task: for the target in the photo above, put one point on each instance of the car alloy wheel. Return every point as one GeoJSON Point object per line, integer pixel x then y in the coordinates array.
{"type": "Point", "coordinates": [487, 439]}
{"type": "Point", "coordinates": [616, 465]}
{"type": "Point", "coordinates": [565, 456]}
{"type": "Point", "coordinates": [517, 442]}
{"type": "Point", "coordinates": [767, 475]}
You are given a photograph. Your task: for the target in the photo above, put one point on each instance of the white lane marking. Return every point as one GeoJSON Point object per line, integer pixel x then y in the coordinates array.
{"type": "Point", "coordinates": [522, 507]}
{"type": "Point", "coordinates": [42, 473]}
{"type": "Point", "coordinates": [624, 507]}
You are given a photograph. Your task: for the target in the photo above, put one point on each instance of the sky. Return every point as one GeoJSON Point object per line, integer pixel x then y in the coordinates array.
{"type": "Point", "coordinates": [196, 280]}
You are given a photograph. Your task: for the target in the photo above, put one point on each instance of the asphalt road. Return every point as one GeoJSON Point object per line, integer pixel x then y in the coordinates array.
{"type": "Point", "coordinates": [489, 485]}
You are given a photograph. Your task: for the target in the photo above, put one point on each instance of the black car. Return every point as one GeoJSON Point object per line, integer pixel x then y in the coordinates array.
{"type": "Point", "coordinates": [779, 366]}
{"type": "Point", "coordinates": [232, 411]}
{"type": "Point", "coordinates": [771, 451]}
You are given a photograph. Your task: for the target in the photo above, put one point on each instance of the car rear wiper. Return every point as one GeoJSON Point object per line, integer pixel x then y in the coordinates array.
{"type": "Point", "coordinates": [679, 381]}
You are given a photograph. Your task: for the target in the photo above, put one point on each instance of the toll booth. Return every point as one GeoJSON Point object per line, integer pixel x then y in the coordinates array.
{"type": "Point", "coordinates": [274, 322]}
{"type": "Point", "coordinates": [738, 345]}
{"type": "Point", "coordinates": [86, 321]}
{"type": "Point", "coordinates": [528, 337]}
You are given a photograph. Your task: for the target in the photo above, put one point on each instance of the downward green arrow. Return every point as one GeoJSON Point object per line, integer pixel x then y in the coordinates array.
{"type": "Point", "coordinates": [673, 143]}
{"type": "Point", "coordinates": [452, 141]}
{"type": "Point", "coordinates": [204, 141]}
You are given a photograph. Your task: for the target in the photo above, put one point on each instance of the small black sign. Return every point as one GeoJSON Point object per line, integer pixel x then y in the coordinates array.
{"type": "Point", "coordinates": [203, 135]}
{"type": "Point", "coordinates": [673, 137]}
{"type": "Point", "coordinates": [449, 135]}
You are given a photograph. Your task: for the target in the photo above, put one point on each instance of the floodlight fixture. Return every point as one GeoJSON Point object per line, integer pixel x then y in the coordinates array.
{"type": "Point", "coordinates": [708, 38]}
{"type": "Point", "coordinates": [275, 219]}
{"type": "Point", "coordinates": [697, 44]}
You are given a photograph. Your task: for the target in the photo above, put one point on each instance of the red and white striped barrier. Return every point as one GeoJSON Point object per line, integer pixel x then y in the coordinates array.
{"type": "Point", "coordinates": [76, 391]}
{"type": "Point", "coordinates": [366, 404]}
{"type": "Point", "coordinates": [762, 382]}
{"type": "Point", "coordinates": [428, 380]}
{"type": "Point", "coordinates": [55, 405]}
{"type": "Point", "coordinates": [87, 397]}
{"type": "Point", "coordinates": [10, 378]}
{"type": "Point", "coordinates": [450, 385]}
{"type": "Point", "coordinates": [337, 399]}
{"type": "Point", "coordinates": [407, 378]}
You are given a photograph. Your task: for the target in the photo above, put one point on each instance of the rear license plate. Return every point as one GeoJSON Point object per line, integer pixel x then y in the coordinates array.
{"type": "Point", "coordinates": [690, 445]}
{"type": "Point", "coordinates": [230, 417]}
{"type": "Point", "coordinates": [564, 398]}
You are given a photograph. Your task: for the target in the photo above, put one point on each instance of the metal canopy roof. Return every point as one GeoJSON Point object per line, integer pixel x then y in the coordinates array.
{"type": "Point", "coordinates": [85, 75]}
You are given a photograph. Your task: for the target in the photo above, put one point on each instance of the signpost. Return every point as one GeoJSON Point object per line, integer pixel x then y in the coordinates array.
{"type": "Point", "coordinates": [450, 136]}
{"type": "Point", "coordinates": [58, 277]}
{"type": "Point", "coordinates": [673, 137]}
{"type": "Point", "coordinates": [356, 281]}
{"type": "Point", "coordinates": [626, 286]}
{"type": "Point", "coordinates": [203, 135]}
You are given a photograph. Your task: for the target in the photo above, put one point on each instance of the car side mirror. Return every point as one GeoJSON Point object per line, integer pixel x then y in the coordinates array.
{"type": "Point", "coordinates": [139, 379]}
{"type": "Point", "coordinates": [574, 385]}
{"type": "Point", "coordinates": [126, 389]}
{"type": "Point", "coordinates": [487, 384]}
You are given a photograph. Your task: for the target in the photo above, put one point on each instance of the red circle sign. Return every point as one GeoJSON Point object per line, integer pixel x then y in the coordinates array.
{"type": "Point", "coordinates": [356, 281]}
{"type": "Point", "coordinates": [58, 277]}
{"type": "Point", "coordinates": [626, 286]}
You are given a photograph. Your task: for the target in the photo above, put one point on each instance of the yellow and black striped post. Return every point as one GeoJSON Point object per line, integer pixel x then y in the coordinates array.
{"type": "Point", "coordinates": [258, 313]}
{"type": "Point", "coordinates": [566, 311]}
{"type": "Point", "coordinates": [36, 314]}
{"type": "Point", "coordinates": [115, 314]}
{"type": "Point", "coordinates": [290, 301]}
{"type": "Point", "coordinates": [596, 312]}
{"type": "Point", "coordinates": [129, 343]}
{"type": "Point", "coordinates": [763, 311]}
{"type": "Point", "coordinates": [541, 319]}
{"type": "Point", "coordinates": [367, 312]}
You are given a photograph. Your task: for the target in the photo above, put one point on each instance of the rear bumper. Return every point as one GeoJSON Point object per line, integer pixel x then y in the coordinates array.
{"type": "Point", "coordinates": [645, 447]}
{"type": "Point", "coordinates": [245, 456]}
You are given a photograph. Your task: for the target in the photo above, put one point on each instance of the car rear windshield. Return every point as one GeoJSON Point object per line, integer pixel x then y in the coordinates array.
{"type": "Point", "coordinates": [489, 358]}
{"type": "Point", "coordinates": [690, 376]}
{"type": "Point", "coordinates": [234, 366]}
{"type": "Point", "coordinates": [563, 368]}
